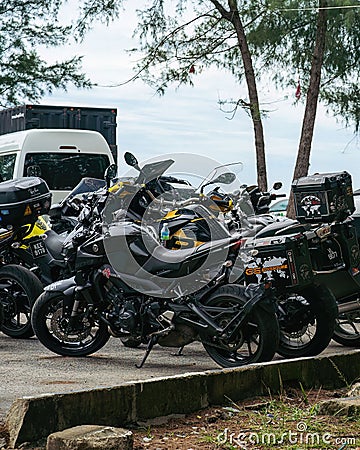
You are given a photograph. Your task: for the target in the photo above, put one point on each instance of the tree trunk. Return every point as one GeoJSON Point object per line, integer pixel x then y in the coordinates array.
{"type": "Point", "coordinates": [303, 156]}
{"type": "Point", "coordinates": [234, 17]}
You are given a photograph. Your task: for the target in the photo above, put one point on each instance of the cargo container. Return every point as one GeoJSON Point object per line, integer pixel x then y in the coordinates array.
{"type": "Point", "coordinates": [28, 117]}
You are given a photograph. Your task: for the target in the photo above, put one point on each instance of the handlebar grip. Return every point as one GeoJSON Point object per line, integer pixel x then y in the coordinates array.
{"type": "Point", "coordinates": [280, 195]}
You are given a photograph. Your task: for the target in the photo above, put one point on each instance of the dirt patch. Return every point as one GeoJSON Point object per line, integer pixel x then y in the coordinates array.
{"type": "Point", "coordinates": [288, 421]}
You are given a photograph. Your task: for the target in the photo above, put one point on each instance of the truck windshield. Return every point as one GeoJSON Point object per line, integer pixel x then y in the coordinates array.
{"type": "Point", "coordinates": [64, 171]}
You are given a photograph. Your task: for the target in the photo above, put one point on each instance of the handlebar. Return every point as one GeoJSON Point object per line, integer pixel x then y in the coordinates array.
{"type": "Point", "coordinates": [173, 203]}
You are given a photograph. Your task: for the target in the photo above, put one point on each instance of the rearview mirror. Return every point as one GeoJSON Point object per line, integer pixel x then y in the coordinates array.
{"type": "Point", "coordinates": [225, 178]}
{"type": "Point", "coordinates": [33, 171]}
{"type": "Point", "coordinates": [131, 160]}
{"type": "Point", "coordinates": [110, 173]}
{"type": "Point", "coordinates": [277, 185]}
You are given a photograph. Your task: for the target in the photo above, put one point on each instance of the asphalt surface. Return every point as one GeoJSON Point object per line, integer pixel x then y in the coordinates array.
{"type": "Point", "coordinates": [28, 369]}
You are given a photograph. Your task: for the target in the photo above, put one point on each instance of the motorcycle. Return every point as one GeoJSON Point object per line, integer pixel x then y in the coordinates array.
{"type": "Point", "coordinates": [306, 309]}
{"type": "Point", "coordinates": [22, 201]}
{"type": "Point", "coordinates": [129, 285]}
{"type": "Point", "coordinates": [39, 245]}
{"type": "Point", "coordinates": [335, 255]}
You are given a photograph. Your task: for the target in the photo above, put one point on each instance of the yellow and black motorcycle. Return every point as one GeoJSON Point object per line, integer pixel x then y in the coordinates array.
{"type": "Point", "coordinates": [22, 201]}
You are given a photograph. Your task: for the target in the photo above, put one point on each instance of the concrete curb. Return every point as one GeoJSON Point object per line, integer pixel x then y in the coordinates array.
{"type": "Point", "coordinates": [32, 418]}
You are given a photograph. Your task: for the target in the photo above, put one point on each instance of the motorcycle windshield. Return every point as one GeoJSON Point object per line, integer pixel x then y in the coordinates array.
{"type": "Point", "coordinates": [154, 170]}
{"type": "Point", "coordinates": [206, 171]}
{"type": "Point", "coordinates": [184, 175]}
{"type": "Point", "coordinates": [85, 186]}
{"type": "Point", "coordinates": [231, 168]}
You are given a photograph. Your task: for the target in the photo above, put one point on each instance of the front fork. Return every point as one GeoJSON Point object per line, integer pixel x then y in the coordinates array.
{"type": "Point", "coordinates": [72, 300]}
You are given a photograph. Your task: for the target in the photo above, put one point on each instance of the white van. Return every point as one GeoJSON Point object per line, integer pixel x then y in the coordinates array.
{"type": "Point", "coordinates": [62, 157]}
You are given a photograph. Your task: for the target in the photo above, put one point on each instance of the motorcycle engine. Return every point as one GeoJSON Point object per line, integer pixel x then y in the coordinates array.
{"type": "Point", "coordinates": [142, 316]}
{"type": "Point", "coordinates": [122, 314]}
{"type": "Point", "coordinates": [181, 336]}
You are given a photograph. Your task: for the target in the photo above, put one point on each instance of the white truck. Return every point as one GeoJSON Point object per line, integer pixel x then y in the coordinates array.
{"type": "Point", "coordinates": [62, 157]}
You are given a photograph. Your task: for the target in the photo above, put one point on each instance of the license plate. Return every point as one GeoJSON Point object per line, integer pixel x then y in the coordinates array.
{"type": "Point", "coordinates": [38, 249]}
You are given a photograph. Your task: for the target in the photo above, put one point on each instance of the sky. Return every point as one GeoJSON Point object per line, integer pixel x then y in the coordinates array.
{"type": "Point", "coordinates": [188, 119]}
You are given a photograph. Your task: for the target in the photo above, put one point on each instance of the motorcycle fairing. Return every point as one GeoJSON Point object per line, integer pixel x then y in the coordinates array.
{"type": "Point", "coordinates": [62, 285]}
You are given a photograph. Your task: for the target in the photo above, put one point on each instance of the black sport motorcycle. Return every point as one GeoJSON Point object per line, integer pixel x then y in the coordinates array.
{"type": "Point", "coordinates": [307, 309]}
{"type": "Point", "coordinates": [129, 285]}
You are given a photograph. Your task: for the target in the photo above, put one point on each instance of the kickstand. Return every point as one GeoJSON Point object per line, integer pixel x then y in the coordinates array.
{"type": "Point", "coordinates": [179, 352]}
{"type": "Point", "coordinates": [149, 347]}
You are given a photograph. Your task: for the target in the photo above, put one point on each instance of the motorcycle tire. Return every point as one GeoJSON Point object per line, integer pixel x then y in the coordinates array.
{"type": "Point", "coordinates": [347, 329]}
{"type": "Point", "coordinates": [19, 288]}
{"type": "Point", "coordinates": [308, 325]}
{"type": "Point", "coordinates": [258, 337]}
{"type": "Point", "coordinates": [53, 329]}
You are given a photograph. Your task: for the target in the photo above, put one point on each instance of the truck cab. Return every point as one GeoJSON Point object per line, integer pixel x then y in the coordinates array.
{"type": "Point", "coordinates": [61, 157]}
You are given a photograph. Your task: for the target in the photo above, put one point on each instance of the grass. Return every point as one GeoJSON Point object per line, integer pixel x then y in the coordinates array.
{"type": "Point", "coordinates": [288, 421]}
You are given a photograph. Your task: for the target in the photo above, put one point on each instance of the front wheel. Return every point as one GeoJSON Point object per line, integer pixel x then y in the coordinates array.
{"type": "Point", "coordinates": [257, 338]}
{"type": "Point", "coordinates": [19, 288]}
{"type": "Point", "coordinates": [347, 329]}
{"type": "Point", "coordinates": [76, 336]}
{"type": "Point", "coordinates": [307, 321]}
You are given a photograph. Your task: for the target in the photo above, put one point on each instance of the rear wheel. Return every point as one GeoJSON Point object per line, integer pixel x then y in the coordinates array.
{"type": "Point", "coordinates": [307, 322]}
{"type": "Point", "coordinates": [19, 288]}
{"type": "Point", "coordinates": [77, 336]}
{"type": "Point", "coordinates": [256, 340]}
{"type": "Point", "coordinates": [347, 329]}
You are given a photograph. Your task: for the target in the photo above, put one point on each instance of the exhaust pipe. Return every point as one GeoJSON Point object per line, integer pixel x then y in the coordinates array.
{"type": "Point", "coordinates": [349, 307]}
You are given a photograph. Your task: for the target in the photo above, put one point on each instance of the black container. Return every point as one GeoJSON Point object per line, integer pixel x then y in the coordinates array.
{"type": "Point", "coordinates": [286, 259]}
{"type": "Point", "coordinates": [325, 197]}
{"type": "Point", "coordinates": [338, 248]}
{"type": "Point", "coordinates": [23, 200]}
{"type": "Point", "coordinates": [27, 117]}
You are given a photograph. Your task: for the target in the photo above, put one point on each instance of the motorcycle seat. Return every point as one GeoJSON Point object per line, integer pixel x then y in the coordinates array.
{"type": "Point", "coordinates": [54, 244]}
{"type": "Point", "coordinates": [171, 260]}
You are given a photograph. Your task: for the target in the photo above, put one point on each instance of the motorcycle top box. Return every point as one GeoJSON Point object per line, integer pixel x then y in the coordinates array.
{"type": "Point", "coordinates": [23, 200]}
{"type": "Point", "coordinates": [323, 197]}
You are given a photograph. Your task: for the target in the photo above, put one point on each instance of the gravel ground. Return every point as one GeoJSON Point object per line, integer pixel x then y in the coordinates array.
{"type": "Point", "coordinates": [27, 368]}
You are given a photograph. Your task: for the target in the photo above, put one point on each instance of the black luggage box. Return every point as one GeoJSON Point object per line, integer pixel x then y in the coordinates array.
{"type": "Point", "coordinates": [286, 259]}
{"type": "Point", "coordinates": [323, 197]}
{"type": "Point", "coordinates": [23, 200]}
{"type": "Point", "coordinates": [338, 248]}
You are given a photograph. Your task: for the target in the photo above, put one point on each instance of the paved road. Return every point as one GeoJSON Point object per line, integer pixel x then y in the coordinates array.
{"type": "Point", "coordinates": [27, 368]}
